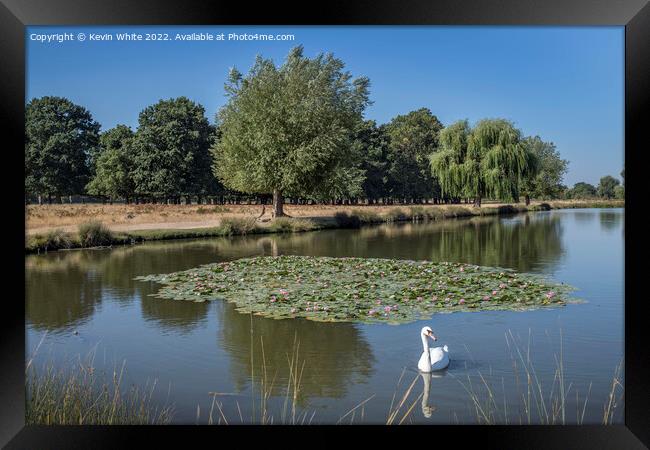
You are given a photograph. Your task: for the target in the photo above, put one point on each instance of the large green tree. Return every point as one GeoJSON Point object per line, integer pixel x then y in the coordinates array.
{"type": "Point", "coordinates": [287, 130]}
{"type": "Point", "coordinates": [171, 150]}
{"type": "Point", "coordinates": [413, 137]}
{"type": "Point", "coordinates": [487, 161]}
{"type": "Point", "coordinates": [581, 190]}
{"type": "Point", "coordinates": [448, 164]}
{"type": "Point", "coordinates": [60, 138]}
{"type": "Point", "coordinates": [373, 142]}
{"type": "Point", "coordinates": [546, 181]}
{"type": "Point", "coordinates": [607, 186]}
{"type": "Point", "coordinates": [113, 176]}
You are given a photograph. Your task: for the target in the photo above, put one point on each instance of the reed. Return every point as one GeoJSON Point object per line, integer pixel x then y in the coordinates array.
{"type": "Point", "coordinates": [81, 396]}
{"type": "Point", "coordinates": [537, 404]}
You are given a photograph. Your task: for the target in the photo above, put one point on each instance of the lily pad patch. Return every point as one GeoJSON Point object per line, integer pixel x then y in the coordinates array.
{"type": "Point", "coordinates": [359, 289]}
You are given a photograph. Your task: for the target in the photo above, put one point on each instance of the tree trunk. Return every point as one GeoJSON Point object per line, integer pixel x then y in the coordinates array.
{"type": "Point", "coordinates": [278, 203]}
{"type": "Point", "coordinates": [527, 197]}
{"type": "Point", "coordinates": [477, 202]}
{"type": "Point", "coordinates": [40, 199]}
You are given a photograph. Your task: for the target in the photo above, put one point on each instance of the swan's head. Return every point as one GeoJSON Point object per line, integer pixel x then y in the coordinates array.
{"type": "Point", "coordinates": [428, 332]}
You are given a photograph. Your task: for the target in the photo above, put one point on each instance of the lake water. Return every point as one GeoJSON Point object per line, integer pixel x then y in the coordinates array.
{"type": "Point", "coordinates": [193, 349]}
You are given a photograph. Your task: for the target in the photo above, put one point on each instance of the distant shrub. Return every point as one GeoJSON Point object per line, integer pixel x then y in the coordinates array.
{"type": "Point", "coordinates": [95, 234]}
{"type": "Point", "coordinates": [53, 240]}
{"type": "Point", "coordinates": [237, 225]}
{"type": "Point", "coordinates": [57, 239]}
{"type": "Point", "coordinates": [367, 216]}
{"type": "Point", "coordinates": [289, 225]}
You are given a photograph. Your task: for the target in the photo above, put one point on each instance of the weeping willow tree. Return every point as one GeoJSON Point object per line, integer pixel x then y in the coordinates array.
{"type": "Point", "coordinates": [447, 164]}
{"type": "Point", "coordinates": [486, 161]}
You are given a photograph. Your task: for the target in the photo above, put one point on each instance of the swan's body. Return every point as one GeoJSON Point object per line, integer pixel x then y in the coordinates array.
{"type": "Point", "coordinates": [436, 358]}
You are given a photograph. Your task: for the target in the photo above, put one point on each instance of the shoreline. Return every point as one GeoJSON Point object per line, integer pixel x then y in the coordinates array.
{"type": "Point", "coordinates": [345, 217]}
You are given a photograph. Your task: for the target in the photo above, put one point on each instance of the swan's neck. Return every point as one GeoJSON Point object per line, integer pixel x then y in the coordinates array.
{"type": "Point", "coordinates": [425, 346]}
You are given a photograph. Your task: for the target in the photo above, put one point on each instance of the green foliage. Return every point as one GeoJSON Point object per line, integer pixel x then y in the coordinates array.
{"type": "Point", "coordinates": [581, 190]}
{"type": "Point", "coordinates": [546, 181]}
{"type": "Point", "coordinates": [358, 289]}
{"type": "Point", "coordinates": [607, 186]}
{"type": "Point", "coordinates": [52, 240]}
{"type": "Point", "coordinates": [114, 164]}
{"type": "Point", "coordinates": [237, 225]}
{"type": "Point", "coordinates": [374, 143]}
{"type": "Point", "coordinates": [171, 150]}
{"type": "Point", "coordinates": [60, 141]}
{"type": "Point", "coordinates": [94, 234]}
{"type": "Point", "coordinates": [448, 164]}
{"type": "Point", "coordinates": [619, 192]}
{"type": "Point", "coordinates": [289, 129]}
{"type": "Point", "coordinates": [413, 137]}
{"type": "Point", "coordinates": [487, 161]}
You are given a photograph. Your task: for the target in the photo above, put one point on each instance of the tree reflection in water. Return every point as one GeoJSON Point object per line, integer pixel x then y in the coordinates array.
{"type": "Point", "coordinates": [64, 289]}
{"type": "Point", "coordinates": [335, 355]}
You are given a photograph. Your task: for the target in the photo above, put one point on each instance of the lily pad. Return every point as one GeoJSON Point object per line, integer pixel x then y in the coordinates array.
{"type": "Point", "coordinates": [359, 289]}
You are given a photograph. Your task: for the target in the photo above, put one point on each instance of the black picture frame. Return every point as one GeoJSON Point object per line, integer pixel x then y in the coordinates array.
{"type": "Point", "coordinates": [634, 15]}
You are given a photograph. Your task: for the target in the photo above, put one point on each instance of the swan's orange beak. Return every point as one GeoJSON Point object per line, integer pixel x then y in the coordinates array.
{"type": "Point", "coordinates": [432, 336]}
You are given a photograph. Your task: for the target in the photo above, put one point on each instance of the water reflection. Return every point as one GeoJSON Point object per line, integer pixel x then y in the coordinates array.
{"type": "Point", "coordinates": [610, 220]}
{"type": "Point", "coordinates": [335, 355]}
{"type": "Point", "coordinates": [427, 379]}
{"type": "Point", "coordinates": [212, 351]}
{"type": "Point", "coordinates": [174, 316]}
{"type": "Point", "coordinates": [61, 296]}
{"type": "Point", "coordinates": [63, 288]}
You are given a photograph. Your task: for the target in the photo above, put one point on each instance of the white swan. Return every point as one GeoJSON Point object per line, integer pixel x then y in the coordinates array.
{"type": "Point", "coordinates": [436, 358]}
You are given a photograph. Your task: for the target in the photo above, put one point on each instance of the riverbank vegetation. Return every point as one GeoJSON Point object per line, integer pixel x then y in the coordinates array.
{"type": "Point", "coordinates": [292, 134]}
{"type": "Point", "coordinates": [93, 233]}
{"type": "Point", "coordinates": [81, 395]}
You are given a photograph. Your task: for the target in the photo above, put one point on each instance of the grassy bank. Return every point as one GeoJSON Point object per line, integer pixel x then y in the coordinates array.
{"type": "Point", "coordinates": [95, 233]}
{"type": "Point", "coordinates": [79, 395]}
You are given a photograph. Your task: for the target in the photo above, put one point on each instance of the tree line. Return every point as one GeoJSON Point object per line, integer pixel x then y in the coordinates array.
{"type": "Point", "coordinates": [293, 132]}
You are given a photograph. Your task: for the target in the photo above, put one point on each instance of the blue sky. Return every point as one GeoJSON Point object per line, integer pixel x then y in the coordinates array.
{"type": "Point", "coordinates": [565, 84]}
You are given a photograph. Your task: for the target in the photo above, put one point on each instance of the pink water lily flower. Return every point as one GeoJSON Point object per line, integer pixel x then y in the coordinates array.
{"type": "Point", "coordinates": [387, 308]}
{"type": "Point", "coordinates": [503, 286]}
{"type": "Point", "coordinates": [371, 312]}
{"type": "Point", "coordinates": [550, 294]}
{"type": "Point", "coordinates": [461, 301]}
{"type": "Point", "coordinates": [487, 297]}
{"type": "Point", "coordinates": [494, 292]}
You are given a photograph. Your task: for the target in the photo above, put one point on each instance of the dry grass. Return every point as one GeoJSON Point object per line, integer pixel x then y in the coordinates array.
{"type": "Point", "coordinates": [82, 396]}
{"type": "Point", "coordinates": [43, 218]}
